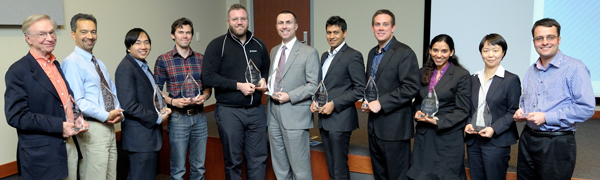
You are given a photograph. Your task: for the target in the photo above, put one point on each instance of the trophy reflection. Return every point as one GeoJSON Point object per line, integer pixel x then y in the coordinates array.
{"type": "Point", "coordinates": [430, 104]}
{"type": "Point", "coordinates": [482, 118]}
{"type": "Point", "coordinates": [370, 93]}
{"type": "Point", "coordinates": [160, 105]}
{"type": "Point", "coordinates": [190, 89]}
{"type": "Point", "coordinates": [274, 86]}
{"type": "Point", "coordinates": [320, 97]}
{"type": "Point", "coordinates": [74, 114]}
{"type": "Point", "coordinates": [252, 74]}
{"type": "Point", "coordinates": [529, 100]}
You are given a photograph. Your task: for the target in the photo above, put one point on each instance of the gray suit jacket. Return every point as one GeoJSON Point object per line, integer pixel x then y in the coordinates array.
{"type": "Point", "coordinates": [300, 80]}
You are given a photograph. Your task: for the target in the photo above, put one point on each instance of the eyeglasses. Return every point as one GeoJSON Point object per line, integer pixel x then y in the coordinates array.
{"type": "Point", "coordinates": [541, 38]}
{"type": "Point", "coordinates": [44, 34]}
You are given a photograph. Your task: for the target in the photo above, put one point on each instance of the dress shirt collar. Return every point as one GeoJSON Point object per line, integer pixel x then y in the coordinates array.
{"type": "Point", "coordinates": [86, 55]}
{"type": "Point", "coordinates": [555, 61]}
{"type": "Point", "coordinates": [175, 52]}
{"type": "Point", "coordinates": [140, 62]}
{"type": "Point", "coordinates": [499, 72]}
{"type": "Point", "coordinates": [336, 50]}
{"type": "Point", "coordinates": [42, 59]}
{"type": "Point", "coordinates": [290, 44]}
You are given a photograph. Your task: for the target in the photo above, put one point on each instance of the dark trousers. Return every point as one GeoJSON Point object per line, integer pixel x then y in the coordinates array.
{"type": "Point", "coordinates": [543, 158]}
{"type": "Point", "coordinates": [336, 146]}
{"type": "Point", "coordinates": [390, 159]}
{"type": "Point", "coordinates": [487, 161]}
{"type": "Point", "coordinates": [142, 165]}
{"type": "Point", "coordinates": [243, 130]}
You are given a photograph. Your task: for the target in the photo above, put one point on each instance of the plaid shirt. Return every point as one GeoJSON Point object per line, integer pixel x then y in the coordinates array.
{"type": "Point", "coordinates": [172, 68]}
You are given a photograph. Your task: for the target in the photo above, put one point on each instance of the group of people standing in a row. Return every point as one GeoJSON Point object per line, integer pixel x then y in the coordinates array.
{"type": "Point", "coordinates": [38, 91]}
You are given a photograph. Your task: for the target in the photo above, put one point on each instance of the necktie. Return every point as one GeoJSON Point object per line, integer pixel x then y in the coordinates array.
{"type": "Point", "coordinates": [280, 68]}
{"type": "Point", "coordinates": [109, 103]}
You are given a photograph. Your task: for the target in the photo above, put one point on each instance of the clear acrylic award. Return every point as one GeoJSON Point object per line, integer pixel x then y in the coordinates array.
{"type": "Point", "coordinates": [274, 87]}
{"type": "Point", "coordinates": [529, 100]}
{"type": "Point", "coordinates": [482, 118]}
{"type": "Point", "coordinates": [160, 105]}
{"type": "Point", "coordinates": [253, 74]}
{"type": "Point", "coordinates": [371, 93]}
{"type": "Point", "coordinates": [190, 89]}
{"type": "Point", "coordinates": [320, 97]}
{"type": "Point", "coordinates": [430, 104]}
{"type": "Point", "coordinates": [74, 114]}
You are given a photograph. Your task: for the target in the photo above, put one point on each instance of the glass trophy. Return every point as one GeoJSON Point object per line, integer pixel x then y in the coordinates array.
{"type": "Point", "coordinates": [430, 104]}
{"type": "Point", "coordinates": [253, 74]}
{"type": "Point", "coordinates": [271, 88]}
{"type": "Point", "coordinates": [371, 93]}
{"type": "Point", "coordinates": [482, 118]}
{"type": "Point", "coordinates": [160, 105]}
{"type": "Point", "coordinates": [529, 100]}
{"type": "Point", "coordinates": [320, 97]}
{"type": "Point", "coordinates": [190, 89]}
{"type": "Point", "coordinates": [74, 114]}
{"type": "Point", "coordinates": [101, 97]}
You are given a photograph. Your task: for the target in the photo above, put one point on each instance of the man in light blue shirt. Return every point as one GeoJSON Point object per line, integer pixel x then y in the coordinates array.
{"type": "Point", "coordinates": [547, 148]}
{"type": "Point", "coordinates": [95, 93]}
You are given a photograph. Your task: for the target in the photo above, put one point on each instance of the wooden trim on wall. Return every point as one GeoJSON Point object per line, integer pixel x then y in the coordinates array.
{"type": "Point", "coordinates": [8, 169]}
{"type": "Point", "coordinates": [596, 115]}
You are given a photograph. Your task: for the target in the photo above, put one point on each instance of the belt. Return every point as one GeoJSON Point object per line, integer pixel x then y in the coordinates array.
{"type": "Point", "coordinates": [188, 111]}
{"type": "Point", "coordinates": [538, 133]}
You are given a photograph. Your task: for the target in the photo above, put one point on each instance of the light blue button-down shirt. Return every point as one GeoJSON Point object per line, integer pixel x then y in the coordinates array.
{"type": "Point", "coordinates": [564, 91]}
{"type": "Point", "coordinates": [144, 66]}
{"type": "Point", "coordinates": [80, 72]}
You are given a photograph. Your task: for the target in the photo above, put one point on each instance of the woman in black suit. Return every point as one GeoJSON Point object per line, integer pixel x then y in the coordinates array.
{"type": "Point", "coordinates": [488, 149]}
{"type": "Point", "coordinates": [438, 151]}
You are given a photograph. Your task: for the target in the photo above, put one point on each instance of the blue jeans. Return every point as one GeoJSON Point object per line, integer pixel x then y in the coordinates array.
{"type": "Point", "coordinates": [184, 131]}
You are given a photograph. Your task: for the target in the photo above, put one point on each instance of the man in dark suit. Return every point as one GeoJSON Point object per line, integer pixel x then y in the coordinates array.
{"type": "Point", "coordinates": [35, 100]}
{"type": "Point", "coordinates": [342, 73]}
{"type": "Point", "coordinates": [296, 71]}
{"type": "Point", "coordinates": [394, 67]}
{"type": "Point", "coordinates": [141, 129]}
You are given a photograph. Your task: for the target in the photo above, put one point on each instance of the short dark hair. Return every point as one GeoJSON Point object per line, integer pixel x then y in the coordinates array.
{"type": "Point", "coordinates": [494, 39]}
{"type": "Point", "coordinates": [383, 11]}
{"type": "Point", "coordinates": [336, 21]}
{"type": "Point", "coordinates": [289, 12]}
{"type": "Point", "coordinates": [180, 23]}
{"type": "Point", "coordinates": [132, 36]}
{"type": "Point", "coordinates": [81, 16]}
{"type": "Point", "coordinates": [236, 6]}
{"type": "Point", "coordinates": [546, 22]}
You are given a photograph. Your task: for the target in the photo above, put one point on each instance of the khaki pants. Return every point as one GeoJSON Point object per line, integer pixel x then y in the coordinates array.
{"type": "Point", "coordinates": [72, 159]}
{"type": "Point", "coordinates": [99, 150]}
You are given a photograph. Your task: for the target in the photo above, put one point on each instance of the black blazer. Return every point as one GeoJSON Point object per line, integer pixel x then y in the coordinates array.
{"type": "Point", "coordinates": [345, 83]}
{"type": "Point", "coordinates": [454, 95]}
{"type": "Point", "coordinates": [32, 106]}
{"type": "Point", "coordinates": [503, 100]}
{"type": "Point", "coordinates": [397, 80]}
{"type": "Point", "coordinates": [139, 131]}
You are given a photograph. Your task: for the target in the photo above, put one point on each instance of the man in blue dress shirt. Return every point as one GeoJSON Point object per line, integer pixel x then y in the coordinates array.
{"type": "Point", "coordinates": [95, 93]}
{"type": "Point", "coordinates": [547, 148]}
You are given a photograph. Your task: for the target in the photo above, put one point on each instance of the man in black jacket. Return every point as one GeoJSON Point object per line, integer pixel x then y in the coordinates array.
{"type": "Point", "coordinates": [240, 114]}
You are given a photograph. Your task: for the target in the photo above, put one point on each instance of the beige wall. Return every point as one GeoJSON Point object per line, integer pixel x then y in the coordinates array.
{"type": "Point", "coordinates": [115, 18]}
{"type": "Point", "coordinates": [358, 15]}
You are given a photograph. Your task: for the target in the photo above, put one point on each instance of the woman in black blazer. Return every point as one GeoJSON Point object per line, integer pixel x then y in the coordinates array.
{"type": "Point", "coordinates": [488, 149]}
{"type": "Point", "coordinates": [438, 151]}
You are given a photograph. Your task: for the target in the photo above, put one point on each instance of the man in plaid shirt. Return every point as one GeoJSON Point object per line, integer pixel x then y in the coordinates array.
{"type": "Point", "coordinates": [187, 123]}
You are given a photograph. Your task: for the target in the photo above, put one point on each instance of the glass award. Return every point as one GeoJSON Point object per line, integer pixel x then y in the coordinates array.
{"type": "Point", "coordinates": [271, 87]}
{"type": "Point", "coordinates": [320, 97]}
{"type": "Point", "coordinates": [253, 74]}
{"type": "Point", "coordinates": [529, 100]}
{"type": "Point", "coordinates": [190, 89]}
{"type": "Point", "coordinates": [160, 105]}
{"type": "Point", "coordinates": [74, 114]}
{"type": "Point", "coordinates": [101, 97]}
{"type": "Point", "coordinates": [482, 118]}
{"type": "Point", "coordinates": [430, 104]}
{"type": "Point", "coordinates": [371, 93]}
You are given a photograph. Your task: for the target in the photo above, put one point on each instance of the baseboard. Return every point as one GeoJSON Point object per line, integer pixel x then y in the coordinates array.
{"type": "Point", "coordinates": [8, 169]}
{"type": "Point", "coordinates": [596, 115]}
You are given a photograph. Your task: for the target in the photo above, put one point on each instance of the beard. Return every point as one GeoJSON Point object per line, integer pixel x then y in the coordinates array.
{"type": "Point", "coordinates": [238, 34]}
